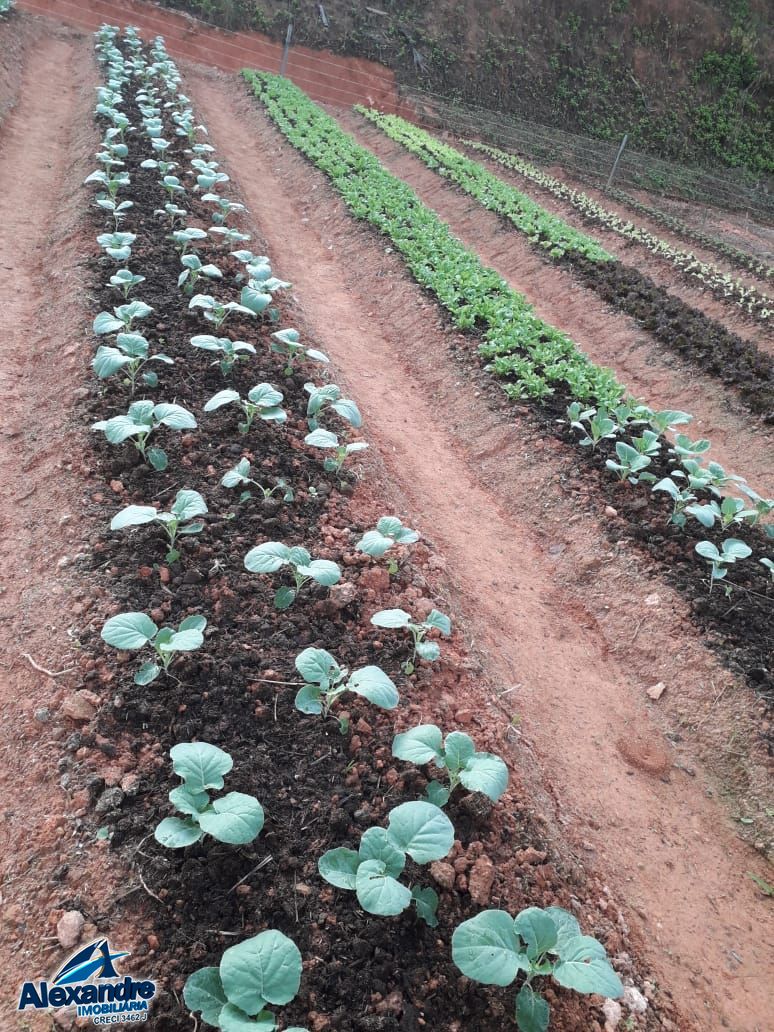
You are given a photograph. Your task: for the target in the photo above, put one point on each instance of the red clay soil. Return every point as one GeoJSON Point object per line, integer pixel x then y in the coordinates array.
{"type": "Point", "coordinates": [324, 75]}
{"type": "Point", "coordinates": [566, 676]}
{"type": "Point", "coordinates": [45, 152]}
{"type": "Point", "coordinates": [609, 338]}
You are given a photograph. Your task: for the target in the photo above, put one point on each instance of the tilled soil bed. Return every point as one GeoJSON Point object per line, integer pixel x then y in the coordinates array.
{"type": "Point", "coordinates": [320, 787]}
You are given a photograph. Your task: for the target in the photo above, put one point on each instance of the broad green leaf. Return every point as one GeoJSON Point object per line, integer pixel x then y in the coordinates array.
{"type": "Point", "coordinates": [420, 745]}
{"type": "Point", "coordinates": [267, 558]}
{"type": "Point", "coordinates": [339, 867]}
{"type": "Point", "coordinates": [348, 410]}
{"type": "Point", "coordinates": [567, 927]}
{"type": "Point", "coordinates": [200, 765]}
{"type": "Point", "coordinates": [174, 416]}
{"type": "Point", "coordinates": [422, 830]}
{"type": "Point", "coordinates": [105, 322]}
{"type": "Point", "coordinates": [193, 623]}
{"type": "Point", "coordinates": [537, 929]}
{"type": "Point", "coordinates": [736, 548]}
{"type": "Point", "coordinates": [377, 892]}
{"type": "Point", "coordinates": [148, 672]}
{"type": "Point", "coordinates": [436, 619]}
{"type": "Point", "coordinates": [428, 650]}
{"type": "Point", "coordinates": [232, 1019]}
{"type": "Point", "coordinates": [426, 900]}
{"type": "Point", "coordinates": [235, 819]}
{"type": "Point", "coordinates": [188, 504]}
{"type": "Point", "coordinates": [191, 803]}
{"type": "Point", "coordinates": [129, 630]}
{"type": "Point", "coordinates": [284, 597]}
{"type": "Point", "coordinates": [320, 438]}
{"type": "Point", "coordinates": [376, 844]}
{"type": "Point", "coordinates": [175, 833]}
{"type": "Point", "coordinates": [436, 793]}
{"type": "Point", "coordinates": [183, 641]}
{"type": "Point", "coordinates": [373, 684]}
{"type": "Point", "coordinates": [323, 571]}
{"type": "Point", "coordinates": [220, 399]}
{"type": "Point", "coordinates": [157, 457]}
{"type": "Point", "coordinates": [108, 361]}
{"type": "Point", "coordinates": [264, 395]}
{"type": "Point", "coordinates": [487, 948]}
{"type": "Point", "coordinates": [318, 666]}
{"type": "Point", "coordinates": [133, 516]}
{"type": "Point", "coordinates": [391, 618]}
{"type": "Point", "coordinates": [308, 699]}
{"type": "Point", "coordinates": [458, 749]}
{"type": "Point", "coordinates": [485, 773]}
{"type": "Point", "coordinates": [120, 428]}
{"type": "Point", "coordinates": [203, 992]}
{"type": "Point", "coordinates": [264, 969]}
{"type": "Point", "coordinates": [532, 1011]}
{"type": "Point", "coordinates": [374, 544]}
{"type": "Point", "coordinates": [584, 967]}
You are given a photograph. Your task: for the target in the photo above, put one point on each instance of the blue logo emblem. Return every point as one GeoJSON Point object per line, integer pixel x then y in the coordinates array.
{"type": "Point", "coordinates": [90, 982]}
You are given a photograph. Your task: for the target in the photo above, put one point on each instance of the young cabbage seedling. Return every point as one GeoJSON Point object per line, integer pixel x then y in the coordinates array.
{"type": "Point", "coordinates": [185, 238]}
{"type": "Point", "coordinates": [223, 208]}
{"type": "Point", "coordinates": [288, 344]}
{"type": "Point", "coordinates": [172, 186]}
{"type": "Point", "coordinates": [117, 246]}
{"type": "Point", "coordinates": [273, 555]}
{"type": "Point", "coordinates": [186, 506]}
{"type": "Point", "coordinates": [112, 182]}
{"type": "Point", "coordinates": [129, 356]}
{"type": "Point", "coordinates": [730, 550]}
{"type": "Point", "coordinates": [769, 564]}
{"type": "Point", "coordinates": [477, 771]}
{"type": "Point", "coordinates": [420, 830]}
{"type": "Point", "coordinates": [230, 236]}
{"type": "Point", "coordinates": [124, 280]}
{"type": "Point", "coordinates": [232, 351]}
{"type": "Point", "coordinates": [326, 439]}
{"type": "Point", "coordinates": [141, 420]}
{"type": "Point", "coordinates": [234, 818]}
{"type": "Point", "coordinates": [427, 650]}
{"type": "Point", "coordinates": [263, 401]}
{"type": "Point", "coordinates": [122, 318]}
{"type": "Point", "coordinates": [117, 209]}
{"type": "Point", "coordinates": [132, 631]}
{"type": "Point", "coordinates": [239, 476]}
{"type": "Point", "coordinates": [389, 531]}
{"type": "Point", "coordinates": [193, 269]}
{"type": "Point", "coordinates": [216, 312]}
{"type": "Point", "coordinates": [330, 397]}
{"type": "Point", "coordinates": [253, 974]}
{"type": "Point", "coordinates": [326, 682]}
{"type": "Point", "coordinates": [630, 465]}
{"type": "Point", "coordinates": [493, 947]}
{"type": "Point", "coordinates": [682, 498]}
{"type": "Point", "coordinates": [731, 510]}
{"type": "Point", "coordinates": [595, 424]}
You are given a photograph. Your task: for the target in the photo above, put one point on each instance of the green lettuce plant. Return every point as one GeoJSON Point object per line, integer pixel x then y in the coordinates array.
{"type": "Point", "coordinates": [133, 631]}
{"type": "Point", "coordinates": [427, 650]}
{"type": "Point", "coordinates": [274, 555]}
{"type": "Point", "coordinates": [251, 975]}
{"type": "Point", "coordinates": [142, 419]}
{"type": "Point", "coordinates": [234, 818]}
{"type": "Point", "coordinates": [477, 771]}
{"type": "Point", "coordinates": [186, 507]}
{"type": "Point", "coordinates": [325, 682]}
{"type": "Point", "coordinates": [493, 947]}
{"type": "Point", "coordinates": [262, 401]}
{"type": "Point", "coordinates": [416, 829]}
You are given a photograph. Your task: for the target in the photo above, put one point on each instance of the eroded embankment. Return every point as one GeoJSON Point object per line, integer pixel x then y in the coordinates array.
{"type": "Point", "coordinates": [571, 687]}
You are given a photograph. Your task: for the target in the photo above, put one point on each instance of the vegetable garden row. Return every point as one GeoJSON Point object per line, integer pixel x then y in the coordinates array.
{"type": "Point", "coordinates": [671, 321]}
{"type": "Point", "coordinates": [238, 579]}
{"type": "Point", "coordinates": [677, 506]}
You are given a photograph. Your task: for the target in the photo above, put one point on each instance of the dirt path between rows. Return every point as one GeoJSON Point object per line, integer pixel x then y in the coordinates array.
{"type": "Point", "coordinates": [666, 845]}
{"type": "Point", "coordinates": [45, 148]}
{"type": "Point", "coordinates": [649, 371]}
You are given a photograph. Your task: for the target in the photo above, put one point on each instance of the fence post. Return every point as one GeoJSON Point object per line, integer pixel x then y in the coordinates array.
{"type": "Point", "coordinates": [613, 170]}
{"type": "Point", "coordinates": [286, 51]}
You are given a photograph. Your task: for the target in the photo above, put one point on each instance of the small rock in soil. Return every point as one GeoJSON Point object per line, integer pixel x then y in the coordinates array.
{"type": "Point", "coordinates": [110, 799]}
{"type": "Point", "coordinates": [634, 1000]}
{"type": "Point", "coordinates": [443, 874]}
{"type": "Point", "coordinates": [480, 880]}
{"type": "Point", "coordinates": [613, 1015]}
{"type": "Point", "coordinates": [69, 928]}
{"type": "Point", "coordinates": [80, 706]}
{"type": "Point", "coordinates": [342, 595]}
{"type": "Point", "coordinates": [656, 691]}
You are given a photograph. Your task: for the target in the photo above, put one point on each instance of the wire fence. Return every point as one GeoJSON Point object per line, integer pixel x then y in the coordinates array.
{"type": "Point", "coordinates": [592, 160]}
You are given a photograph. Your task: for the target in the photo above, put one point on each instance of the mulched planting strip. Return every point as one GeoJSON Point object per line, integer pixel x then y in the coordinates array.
{"type": "Point", "coordinates": [319, 788]}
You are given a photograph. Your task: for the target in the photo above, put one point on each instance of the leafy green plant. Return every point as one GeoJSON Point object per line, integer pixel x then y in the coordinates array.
{"type": "Point", "coordinates": [477, 771]}
{"type": "Point", "coordinates": [769, 564]}
{"type": "Point", "coordinates": [274, 555]}
{"type": "Point", "coordinates": [325, 683]}
{"type": "Point", "coordinates": [596, 424]}
{"type": "Point", "coordinates": [122, 318]}
{"type": "Point", "coordinates": [288, 344]}
{"type": "Point", "coordinates": [124, 280]}
{"type": "Point", "coordinates": [232, 351]}
{"type": "Point", "coordinates": [326, 439]}
{"type": "Point", "coordinates": [142, 419]}
{"type": "Point", "coordinates": [129, 356]}
{"type": "Point", "coordinates": [251, 975]}
{"type": "Point", "coordinates": [730, 551]}
{"type": "Point", "coordinates": [329, 396]}
{"type": "Point", "coordinates": [420, 830]}
{"type": "Point", "coordinates": [133, 631]}
{"type": "Point", "coordinates": [215, 311]}
{"type": "Point", "coordinates": [389, 531]}
{"type": "Point", "coordinates": [239, 476]}
{"type": "Point", "coordinates": [419, 630]}
{"type": "Point", "coordinates": [262, 401]}
{"type": "Point", "coordinates": [234, 818]}
{"type": "Point", "coordinates": [185, 239]}
{"type": "Point", "coordinates": [117, 246]}
{"type": "Point", "coordinates": [186, 507]}
{"type": "Point", "coordinates": [493, 947]}
{"type": "Point", "coordinates": [631, 463]}
{"type": "Point", "coordinates": [193, 270]}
